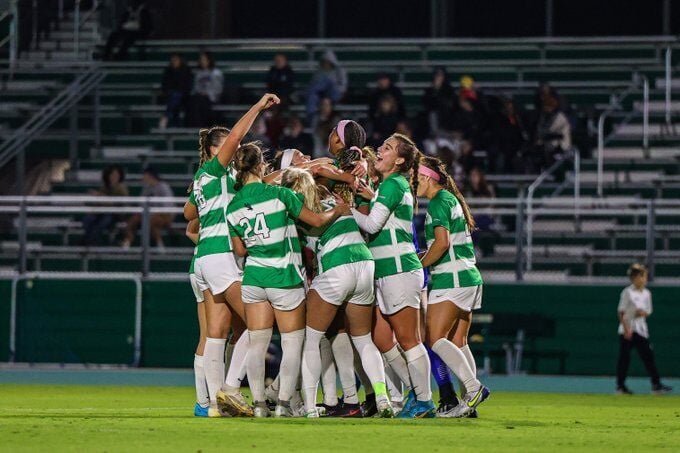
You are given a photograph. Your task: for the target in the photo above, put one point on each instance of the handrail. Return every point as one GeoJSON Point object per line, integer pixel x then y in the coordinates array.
{"type": "Point", "coordinates": [42, 119]}
{"type": "Point", "coordinates": [78, 23]}
{"type": "Point", "coordinates": [12, 38]}
{"type": "Point", "coordinates": [668, 85]}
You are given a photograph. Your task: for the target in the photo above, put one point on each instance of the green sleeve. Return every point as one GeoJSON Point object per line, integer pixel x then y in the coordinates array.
{"type": "Point", "coordinates": [214, 168]}
{"type": "Point", "coordinates": [192, 198]}
{"type": "Point", "coordinates": [292, 201]}
{"type": "Point", "coordinates": [390, 194]}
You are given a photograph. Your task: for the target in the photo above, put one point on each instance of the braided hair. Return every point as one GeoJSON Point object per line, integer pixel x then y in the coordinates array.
{"type": "Point", "coordinates": [449, 184]}
{"type": "Point", "coordinates": [407, 149]}
{"type": "Point", "coordinates": [207, 138]}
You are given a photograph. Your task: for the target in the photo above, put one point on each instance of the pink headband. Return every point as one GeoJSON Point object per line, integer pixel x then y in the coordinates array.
{"type": "Point", "coordinates": [340, 129]}
{"type": "Point", "coordinates": [423, 170]}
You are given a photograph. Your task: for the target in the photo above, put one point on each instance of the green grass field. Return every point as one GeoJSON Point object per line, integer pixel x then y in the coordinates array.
{"type": "Point", "coordinates": [91, 418]}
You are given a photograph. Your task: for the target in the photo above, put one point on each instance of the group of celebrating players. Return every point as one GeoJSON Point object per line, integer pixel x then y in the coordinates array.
{"type": "Point", "coordinates": [326, 250]}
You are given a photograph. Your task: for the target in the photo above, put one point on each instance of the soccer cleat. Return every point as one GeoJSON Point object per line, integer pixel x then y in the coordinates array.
{"type": "Point", "coordinates": [470, 403]}
{"type": "Point", "coordinates": [314, 413]}
{"type": "Point", "coordinates": [369, 407]}
{"type": "Point", "coordinates": [261, 410]}
{"type": "Point", "coordinates": [384, 408]}
{"type": "Point", "coordinates": [397, 406]}
{"type": "Point", "coordinates": [200, 411]}
{"type": "Point", "coordinates": [445, 407]}
{"type": "Point", "coordinates": [233, 404]}
{"type": "Point", "coordinates": [271, 397]}
{"type": "Point", "coordinates": [329, 411]}
{"type": "Point", "coordinates": [473, 414]}
{"type": "Point", "coordinates": [214, 412]}
{"type": "Point", "coordinates": [623, 390]}
{"type": "Point", "coordinates": [660, 389]}
{"type": "Point", "coordinates": [350, 411]}
{"type": "Point", "coordinates": [409, 401]}
{"type": "Point", "coordinates": [283, 410]}
{"type": "Point", "coordinates": [297, 405]}
{"type": "Point", "coordinates": [419, 409]}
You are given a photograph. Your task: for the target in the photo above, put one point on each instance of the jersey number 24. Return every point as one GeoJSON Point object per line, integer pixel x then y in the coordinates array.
{"type": "Point", "coordinates": [259, 227]}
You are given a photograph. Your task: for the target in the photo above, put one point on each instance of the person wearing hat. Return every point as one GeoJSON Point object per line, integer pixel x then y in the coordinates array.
{"type": "Point", "coordinates": [155, 187]}
{"type": "Point", "coordinates": [384, 87]}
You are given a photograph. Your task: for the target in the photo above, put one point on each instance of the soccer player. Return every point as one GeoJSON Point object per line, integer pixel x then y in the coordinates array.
{"type": "Point", "coordinates": [202, 397]}
{"type": "Point", "coordinates": [398, 272]}
{"type": "Point", "coordinates": [635, 305]}
{"type": "Point", "coordinates": [215, 267]}
{"type": "Point", "coordinates": [262, 225]}
{"type": "Point", "coordinates": [455, 282]}
{"type": "Point", "coordinates": [345, 277]}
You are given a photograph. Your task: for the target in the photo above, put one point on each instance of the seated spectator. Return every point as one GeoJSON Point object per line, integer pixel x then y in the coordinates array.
{"type": "Point", "coordinates": [294, 136]}
{"type": "Point", "coordinates": [154, 186]}
{"type": "Point", "coordinates": [385, 121]}
{"type": "Point", "coordinates": [281, 78]}
{"type": "Point", "coordinates": [438, 102]}
{"type": "Point", "coordinates": [208, 83]}
{"type": "Point", "coordinates": [476, 185]}
{"type": "Point", "coordinates": [469, 116]}
{"type": "Point", "coordinates": [385, 87]}
{"type": "Point", "coordinates": [323, 123]}
{"type": "Point", "coordinates": [330, 81]}
{"type": "Point", "coordinates": [112, 186]}
{"type": "Point", "coordinates": [484, 235]}
{"type": "Point", "coordinates": [508, 137]}
{"type": "Point", "coordinates": [135, 24]}
{"type": "Point", "coordinates": [175, 89]}
{"type": "Point", "coordinates": [553, 133]}
{"type": "Point", "coordinates": [404, 127]}
{"type": "Point", "coordinates": [275, 123]}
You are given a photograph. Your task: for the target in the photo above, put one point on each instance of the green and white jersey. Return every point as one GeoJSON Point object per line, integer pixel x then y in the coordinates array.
{"type": "Point", "coordinates": [212, 192]}
{"type": "Point", "coordinates": [263, 216]}
{"type": "Point", "coordinates": [456, 268]}
{"type": "Point", "coordinates": [339, 243]}
{"type": "Point", "coordinates": [193, 261]}
{"type": "Point", "coordinates": [392, 248]}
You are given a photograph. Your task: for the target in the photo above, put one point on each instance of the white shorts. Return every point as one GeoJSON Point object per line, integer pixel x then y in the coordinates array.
{"type": "Point", "coordinates": [399, 291]}
{"type": "Point", "coordinates": [198, 291]}
{"type": "Point", "coordinates": [284, 299]}
{"type": "Point", "coordinates": [468, 298]}
{"type": "Point", "coordinates": [352, 282]}
{"type": "Point", "coordinates": [217, 272]}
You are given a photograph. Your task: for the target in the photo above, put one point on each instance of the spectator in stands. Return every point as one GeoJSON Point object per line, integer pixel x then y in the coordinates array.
{"type": "Point", "coordinates": [330, 81]}
{"type": "Point", "coordinates": [135, 24]}
{"type": "Point", "coordinates": [175, 88]}
{"type": "Point", "coordinates": [476, 185]}
{"type": "Point", "coordinates": [295, 137]}
{"type": "Point", "coordinates": [438, 102]}
{"type": "Point", "coordinates": [281, 78]}
{"type": "Point", "coordinates": [385, 120]}
{"type": "Point", "coordinates": [553, 132]}
{"type": "Point", "coordinates": [324, 122]}
{"type": "Point", "coordinates": [404, 127]}
{"type": "Point", "coordinates": [154, 186]}
{"type": "Point", "coordinates": [385, 87]}
{"type": "Point", "coordinates": [112, 186]}
{"type": "Point", "coordinates": [508, 137]}
{"type": "Point", "coordinates": [208, 84]}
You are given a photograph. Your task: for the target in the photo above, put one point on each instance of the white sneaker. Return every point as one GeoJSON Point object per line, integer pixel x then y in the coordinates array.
{"type": "Point", "coordinates": [261, 410]}
{"type": "Point", "coordinates": [314, 413]}
{"type": "Point", "coordinates": [385, 409]}
{"type": "Point", "coordinates": [297, 405]}
{"type": "Point", "coordinates": [283, 410]}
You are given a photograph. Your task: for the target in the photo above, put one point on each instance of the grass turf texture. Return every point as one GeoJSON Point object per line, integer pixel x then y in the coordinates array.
{"type": "Point", "coordinates": [89, 418]}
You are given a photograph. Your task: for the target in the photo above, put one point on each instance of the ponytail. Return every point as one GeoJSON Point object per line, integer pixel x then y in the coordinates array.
{"type": "Point", "coordinates": [408, 150]}
{"type": "Point", "coordinates": [449, 184]}
{"type": "Point", "coordinates": [248, 157]}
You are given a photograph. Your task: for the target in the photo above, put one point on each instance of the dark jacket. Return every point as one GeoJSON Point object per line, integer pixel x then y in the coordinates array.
{"type": "Point", "coordinates": [393, 91]}
{"type": "Point", "coordinates": [281, 81]}
{"type": "Point", "coordinates": [177, 80]}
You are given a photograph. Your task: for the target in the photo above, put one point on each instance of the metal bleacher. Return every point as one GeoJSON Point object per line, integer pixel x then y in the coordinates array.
{"type": "Point", "coordinates": [595, 236]}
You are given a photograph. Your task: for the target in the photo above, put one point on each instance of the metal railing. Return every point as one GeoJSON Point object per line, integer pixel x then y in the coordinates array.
{"type": "Point", "coordinates": [15, 145]}
{"type": "Point", "coordinates": [12, 38]}
{"type": "Point", "coordinates": [79, 22]}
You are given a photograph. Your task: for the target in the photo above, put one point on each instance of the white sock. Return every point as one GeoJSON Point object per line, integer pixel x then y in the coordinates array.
{"type": "Point", "coordinates": [372, 364]}
{"type": "Point", "coordinates": [419, 369]}
{"type": "Point", "coordinates": [455, 359]}
{"type": "Point", "coordinates": [311, 366]}
{"type": "Point", "coordinates": [259, 342]}
{"type": "Point", "coordinates": [237, 365]}
{"type": "Point", "coordinates": [213, 364]}
{"type": "Point", "coordinates": [471, 361]}
{"type": "Point", "coordinates": [202, 397]}
{"type": "Point", "coordinates": [291, 344]}
{"type": "Point", "coordinates": [394, 385]}
{"type": "Point", "coordinates": [398, 364]}
{"type": "Point", "coordinates": [229, 352]}
{"type": "Point", "coordinates": [328, 375]}
{"type": "Point", "coordinates": [344, 360]}
{"type": "Point", "coordinates": [359, 370]}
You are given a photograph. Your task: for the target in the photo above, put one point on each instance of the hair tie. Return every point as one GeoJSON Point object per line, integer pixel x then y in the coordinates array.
{"type": "Point", "coordinates": [340, 129]}
{"type": "Point", "coordinates": [425, 171]}
{"type": "Point", "coordinates": [356, 148]}
{"type": "Point", "coordinates": [287, 158]}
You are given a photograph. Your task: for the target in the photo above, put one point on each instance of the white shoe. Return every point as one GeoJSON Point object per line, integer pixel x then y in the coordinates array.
{"type": "Point", "coordinates": [314, 413]}
{"type": "Point", "coordinates": [213, 411]}
{"type": "Point", "coordinates": [261, 410]}
{"type": "Point", "coordinates": [397, 406]}
{"type": "Point", "coordinates": [384, 407]}
{"type": "Point", "coordinates": [297, 405]}
{"type": "Point", "coordinates": [283, 410]}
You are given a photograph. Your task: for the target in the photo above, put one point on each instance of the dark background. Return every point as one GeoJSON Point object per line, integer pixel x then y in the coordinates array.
{"type": "Point", "coordinates": [182, 19]}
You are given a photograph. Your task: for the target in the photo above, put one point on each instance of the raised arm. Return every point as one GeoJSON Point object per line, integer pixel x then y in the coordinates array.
{"type": "Point", "coordinates": [241, 128]}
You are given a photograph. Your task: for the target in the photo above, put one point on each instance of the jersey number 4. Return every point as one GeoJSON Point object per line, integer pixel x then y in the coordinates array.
{"type": "Point", "coordinates": [259, 227]}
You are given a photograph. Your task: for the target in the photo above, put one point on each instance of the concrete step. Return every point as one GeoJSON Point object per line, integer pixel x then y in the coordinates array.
{"type": "Point", "coordinates": [632, 152]}
{"type": "Point", "coordinates": [65, 44]}
{"type": "Point", "coordinates": [620, 177]}
{"type": "Point", "coordinates": [657, 106]}
{"type": "Point", "coordinates": [660, 83]}
{"type": "Point", "coordinates": [124, 152]}
{"type": "Point", "coordinates": [655, 129]}
{"type": "Point", "coordinates": [568, 226]}
{"type": "Point", "coordinates": [29, 85]}
{"type": "Point", "coordinates": [545, 250]}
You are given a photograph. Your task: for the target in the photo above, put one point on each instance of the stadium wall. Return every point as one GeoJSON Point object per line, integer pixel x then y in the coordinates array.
{"type": "Point", "coordinates": [93, 321]}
